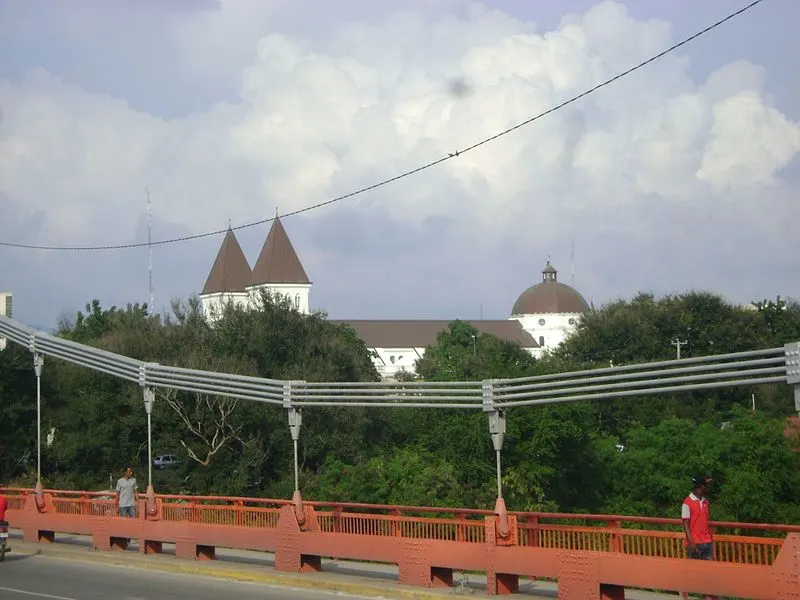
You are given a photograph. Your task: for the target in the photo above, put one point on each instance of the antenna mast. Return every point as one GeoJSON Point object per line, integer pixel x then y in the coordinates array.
{"type": "Point", "coordinates": [149, 252]}
{"type": "Point", "coordinates": [572, 261]}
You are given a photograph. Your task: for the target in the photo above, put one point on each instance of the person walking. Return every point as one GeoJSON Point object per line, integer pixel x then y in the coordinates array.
{"type": "Point", "coordinates": [126, 494]}
{"type": "Point", "coordinates": [695, 517]}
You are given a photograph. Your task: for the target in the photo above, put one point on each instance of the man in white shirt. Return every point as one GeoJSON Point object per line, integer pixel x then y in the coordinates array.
{"type": "Point", "coordinates": [126, 494]}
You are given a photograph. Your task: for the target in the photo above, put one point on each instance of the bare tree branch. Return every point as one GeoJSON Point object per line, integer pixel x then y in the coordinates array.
{"type": "Point", "coordinates": [207, 418]}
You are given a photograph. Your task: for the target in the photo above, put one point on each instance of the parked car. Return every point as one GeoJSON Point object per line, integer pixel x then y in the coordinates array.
{"type": "Point", "coordinates": [165, 461]}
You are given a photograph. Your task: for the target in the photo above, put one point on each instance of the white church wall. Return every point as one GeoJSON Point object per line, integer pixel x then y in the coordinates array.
{"type": "Point", "coordinates": [391, 361]}
{"type": "Point", "coordinates": [549, 330]}
{"type": "Point", "coordinates": [213, 304]}
{"type": "Point", "coordinates": [297, 294]}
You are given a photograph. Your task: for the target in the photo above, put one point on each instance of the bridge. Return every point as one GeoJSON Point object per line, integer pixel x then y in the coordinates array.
{"type": "Point", "coordinates": [590, 556]}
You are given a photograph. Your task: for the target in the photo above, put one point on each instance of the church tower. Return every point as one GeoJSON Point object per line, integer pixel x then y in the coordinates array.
{"type": "Point", "coordinates": [228, 278]}
{"type": "Point", "coordinates": [279, 270]}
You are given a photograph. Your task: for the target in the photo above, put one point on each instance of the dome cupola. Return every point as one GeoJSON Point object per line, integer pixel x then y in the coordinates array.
{"type": "Point", "coordinates": [549, 297]}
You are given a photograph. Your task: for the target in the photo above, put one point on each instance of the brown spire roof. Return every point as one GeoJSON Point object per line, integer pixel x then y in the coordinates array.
{"type": "Point", "coordinates": [231, 272]}
{"type": "Point", "coordinates": [278, 262]}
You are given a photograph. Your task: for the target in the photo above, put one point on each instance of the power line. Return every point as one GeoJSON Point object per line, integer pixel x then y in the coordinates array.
{"type": "Point", "coordinates": [405, 173]}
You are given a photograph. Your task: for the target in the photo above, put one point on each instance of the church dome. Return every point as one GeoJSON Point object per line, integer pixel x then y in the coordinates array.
{"type": "Point", "coordinates": [549, 297]}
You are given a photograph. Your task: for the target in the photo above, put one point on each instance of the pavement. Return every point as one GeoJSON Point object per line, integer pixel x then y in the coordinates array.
{"type": "Point", "coordinates": [29, 577]}
{"type": "Point", "coordinates": [70, 570]}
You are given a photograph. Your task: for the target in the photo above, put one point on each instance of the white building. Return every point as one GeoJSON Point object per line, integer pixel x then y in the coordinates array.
{"type": "Point", "coordinates": [6, 310]}
{"type": "Point", "coordinates": [277, 269]}
{"type": "Point", "coordinates": [397, 344]}
{"type": "Point", "coordinates": [549, 311]}
{"type": "Point", "coordinates": [540, 320]}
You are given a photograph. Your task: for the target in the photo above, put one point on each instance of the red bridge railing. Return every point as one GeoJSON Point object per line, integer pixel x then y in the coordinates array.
{"type": "Point", "coordinates": [611, 533]}
{"type": "Point", "coordinates": [736, 544]}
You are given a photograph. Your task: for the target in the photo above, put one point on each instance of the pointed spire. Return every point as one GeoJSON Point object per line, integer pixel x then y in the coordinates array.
{"type": "Point", "coordinates": [278, 262]}
{"type": "Point", "coordinates": [231, 272]}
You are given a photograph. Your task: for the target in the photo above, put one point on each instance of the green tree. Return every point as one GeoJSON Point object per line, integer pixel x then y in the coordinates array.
{"type": "Point", "coordinates": [283, 343]}
{"type": "Point", "coordinates": [781, 317]}
{"type": "Point", "coordinates": [409, 476]}
{"type": "Point", "coordinates": [642, 329]}
{"type": "Point", "coordinates": [755, 472]}
{"type": "Point", "coordinates": [98, 322]}
{"type": "Point", "coordinates": [17, 415]}
{"type": "Point", "coordinates": [462, 353]}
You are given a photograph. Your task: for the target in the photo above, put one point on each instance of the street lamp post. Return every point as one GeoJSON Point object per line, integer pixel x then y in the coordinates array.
{"type": "Point", "coordinates": [149, 400]}
{"type": "Point", "coordinates": [38, 363]}
{"type": "Point", "coordinates": [149, 395]}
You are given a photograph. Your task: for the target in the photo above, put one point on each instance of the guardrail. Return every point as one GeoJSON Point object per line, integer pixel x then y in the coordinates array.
{"type": "Point", "coordinates": [603, 533]}
{"type": "Point", "coordinates": [429, 548]}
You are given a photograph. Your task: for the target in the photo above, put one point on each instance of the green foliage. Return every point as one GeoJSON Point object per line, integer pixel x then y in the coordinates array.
{"type": "Point", "coordinates": [97, 322]}
{"type": "Point", "coordinates": [462, 353]}
{"type": "Point", "coordinates": [626, 456]}
{"type": "Point", "coordinates": [643, 328]}
{"type": "Point", "coordinates": [755, 471]}
{"type": "Point", "coordinates": [282, 343]}
{"type": "Point", "coordinates": [17, 413]}
{"type": "Point", "coordinates": [403, 477]}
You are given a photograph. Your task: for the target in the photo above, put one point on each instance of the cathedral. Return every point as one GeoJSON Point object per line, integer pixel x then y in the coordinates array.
{"type": "Point", "coordinates": [541, 318]}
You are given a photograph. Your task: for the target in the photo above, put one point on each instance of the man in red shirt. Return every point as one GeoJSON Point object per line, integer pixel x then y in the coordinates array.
{"type": "Point", "coordinates": [694, 513]}
{"type": "Point", "coordinates": [3, 507]}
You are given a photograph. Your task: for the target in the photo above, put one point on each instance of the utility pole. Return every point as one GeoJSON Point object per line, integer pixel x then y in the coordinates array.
{"type": "Point", "coordinates": [677, 343]}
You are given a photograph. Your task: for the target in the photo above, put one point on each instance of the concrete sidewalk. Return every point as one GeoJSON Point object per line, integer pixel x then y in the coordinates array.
{"type": "Point", "coordinates": [376, 580]}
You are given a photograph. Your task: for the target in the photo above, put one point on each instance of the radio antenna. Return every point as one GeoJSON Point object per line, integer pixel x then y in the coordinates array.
{"type": "Point", "coordinates": [572, 261]}
{"type": "Point", "coordinates": [149, 252]}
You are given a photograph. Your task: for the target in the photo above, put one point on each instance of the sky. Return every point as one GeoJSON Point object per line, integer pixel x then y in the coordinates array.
{"type": "Point", "coordinates": [682, 176]}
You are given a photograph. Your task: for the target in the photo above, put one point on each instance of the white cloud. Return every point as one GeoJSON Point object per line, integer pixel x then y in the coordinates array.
{"type": "Point", "coordinates": [748, 141]}
{"type": "Point", "coordinates": [310, 121]}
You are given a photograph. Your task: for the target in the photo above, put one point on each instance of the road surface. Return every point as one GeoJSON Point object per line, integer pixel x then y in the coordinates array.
{"type": "Point", "coordinates": [46, 578]}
